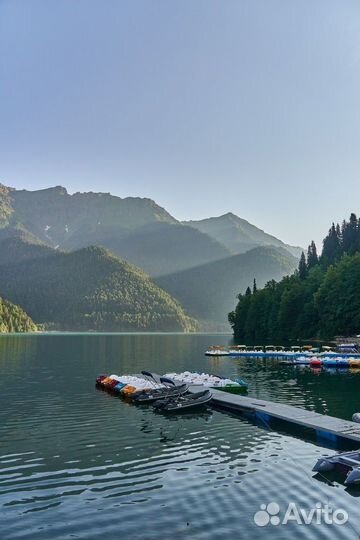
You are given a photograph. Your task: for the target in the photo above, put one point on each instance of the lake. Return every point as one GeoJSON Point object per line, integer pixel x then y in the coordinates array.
{"type": "Point", "coordinates": [77, 462]}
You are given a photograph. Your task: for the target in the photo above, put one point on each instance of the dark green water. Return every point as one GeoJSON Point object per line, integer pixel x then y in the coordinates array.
{"type": "Point", "coordinates": [76, 462]}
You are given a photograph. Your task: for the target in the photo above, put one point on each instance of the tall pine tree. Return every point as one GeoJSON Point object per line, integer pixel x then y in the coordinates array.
{"type": "Point", "coordinates": [331, 245]}
{"type": "Point", "coordinates": [302, 266]}
{"type": "Point", "coordinates": [312, 256]}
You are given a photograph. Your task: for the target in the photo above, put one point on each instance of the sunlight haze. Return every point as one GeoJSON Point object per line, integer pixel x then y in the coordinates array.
{"type": "Point", "coordinates": [207, 107]}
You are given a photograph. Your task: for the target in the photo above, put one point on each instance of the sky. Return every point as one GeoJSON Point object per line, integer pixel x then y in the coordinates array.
{"type": "Point", "coordinates": [206, 106]}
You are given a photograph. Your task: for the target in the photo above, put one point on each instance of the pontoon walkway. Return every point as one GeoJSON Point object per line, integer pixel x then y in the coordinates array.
{"type": "Point", "coordinates": [326, 427]}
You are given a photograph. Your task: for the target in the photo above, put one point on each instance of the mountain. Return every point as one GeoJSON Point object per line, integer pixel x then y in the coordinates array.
{"type": "Point", "coordinates": [14, 319]}
{"type": "Point", "coordinates": [54, 216]}
{"type": "Point", "coordinates": [161, 248]}
{"type": "Point", "coordinates": [20, 248]}
{"type": "Point", "coordinates": [209, 291]}
{"type": "Point", "coordinates": [188, 259]}
{"type": "Point", "coordinates": [18, 231]}
{"type": "Point", "coordinates": [5, 206]}
{"type": "Point", "coordinates": [135, 229]}
{"type": "Point", "coordinates": [88, 289]}
{"type": "Point", "coordinates": [238, 235]}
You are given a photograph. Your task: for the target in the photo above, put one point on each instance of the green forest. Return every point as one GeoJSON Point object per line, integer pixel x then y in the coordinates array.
{"type": "Point", "coordinates": [320, 300]}
{"type": "Point", "coordinates": [88, 289]}
{"type": "Point", "coordinates": [14, 319]}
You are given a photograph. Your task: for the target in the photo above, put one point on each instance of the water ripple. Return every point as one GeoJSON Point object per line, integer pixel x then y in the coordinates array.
{"type": "Point", "coordinates": [79, 463]}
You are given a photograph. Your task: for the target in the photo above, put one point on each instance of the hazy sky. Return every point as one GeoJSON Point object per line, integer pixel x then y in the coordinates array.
{"type": "Point", "coordinates": [249, 106]}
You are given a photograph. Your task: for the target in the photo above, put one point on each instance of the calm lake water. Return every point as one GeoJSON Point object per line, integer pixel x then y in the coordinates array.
{"type": "Point", "coordinates": [76, 462]}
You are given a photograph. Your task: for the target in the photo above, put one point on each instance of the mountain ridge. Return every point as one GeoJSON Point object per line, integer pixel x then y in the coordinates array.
{"type": "Point", "coordinates": [72, 221]}
{"type": "Point", "coordinates": [88, 289]}
{"type": "Point", "coordinates": [238, 234]}
{"type": "Point", "coordinates": [141, 233]}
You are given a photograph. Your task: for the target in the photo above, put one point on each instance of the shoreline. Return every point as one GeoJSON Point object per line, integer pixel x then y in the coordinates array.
{"type": "Point", "coordinates": [94, 333]}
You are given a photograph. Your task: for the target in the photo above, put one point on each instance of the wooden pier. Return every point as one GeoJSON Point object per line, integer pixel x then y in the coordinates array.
{"type": "Point", "coordinates": [326, 427]}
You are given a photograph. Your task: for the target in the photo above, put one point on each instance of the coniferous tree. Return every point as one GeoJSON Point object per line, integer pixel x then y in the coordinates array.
{"type": "Point", "coordinates": [248, 292]}
{"type": "Point", "coordinates": [350, 235]}
{"type": "Point", "coordinates": [302, 266]}
{"type": "Point", "coordinates": [312, 256]}
{"type": "Point", "coordinates": [254, 286]}
{"type": "Point", "coordinates": [331, 245]}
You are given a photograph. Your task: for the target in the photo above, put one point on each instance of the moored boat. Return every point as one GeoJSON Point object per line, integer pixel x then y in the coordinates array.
{"type": "Point", "coordinates": [349, 349]}
{"type": "Point", "coordinates": [354, 362]}
{"type": "Point", "coordinates": [302, 360]}
{"type": "Point", "coordinates": [183, 402]}
{"type": "Point", "coordinates": [128, 385]}
{"type": "Point", "coordinates": [258, 351]}
{"type": "Point", "coordinates": [210, 381]}
{"type": "Point", "coordinates": [315, 362]}
{"type": "Point", "coordinates": [169, 390]}
{"type": "Point", "coordinates": [347, 461]}
{"type": "Point", "coordinates": [337, 362]}
{"type": "Point", "coordinates": [237, 350]}
{"type": "Point", "coordinates": [297, 361]}
{"type": "Point", "coordinates": [217, 350]}
{"type": "Point", "coordinates": [270, 351]}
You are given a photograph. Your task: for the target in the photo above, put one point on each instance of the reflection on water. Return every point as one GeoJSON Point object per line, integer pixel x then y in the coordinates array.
{"type": "Point", "coordinates": [78, 462]}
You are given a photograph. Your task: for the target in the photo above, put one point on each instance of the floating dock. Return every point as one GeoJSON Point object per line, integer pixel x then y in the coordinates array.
{"type": "Point", "coordinates": [326, 427]}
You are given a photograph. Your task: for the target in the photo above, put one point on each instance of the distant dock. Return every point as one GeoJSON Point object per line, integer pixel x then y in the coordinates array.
{"type": "Point", "coordinates": [326, 427]}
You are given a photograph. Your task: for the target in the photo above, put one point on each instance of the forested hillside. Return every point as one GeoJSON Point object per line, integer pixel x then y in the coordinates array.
{"type": "Point", "coordinates": [14, 319]}
{"type": "Point", "coordinates": [321, 299]}
{"type": "Point", "coordinates": [208, 291]}
{"type": "Point", "coordinates": [88, 289]}
{"type": "Point", "coordinates": [18, 249]}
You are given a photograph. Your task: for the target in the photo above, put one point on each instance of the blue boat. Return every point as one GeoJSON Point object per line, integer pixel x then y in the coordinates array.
{"type": "Point", "coordinates": [338, 362]}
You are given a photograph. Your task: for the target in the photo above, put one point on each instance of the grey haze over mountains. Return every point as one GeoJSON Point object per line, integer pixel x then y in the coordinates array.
{"type": "Point", "coordinates": [238, 235]}
{"type": "Point", "coordinates": [136, 229]}
{"type": "Point", "coordinates": [191, 260]}
{"type": "Point", "coordinates": [207, 292]}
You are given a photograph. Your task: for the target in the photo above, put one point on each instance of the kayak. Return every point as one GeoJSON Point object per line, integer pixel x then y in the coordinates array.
{"type": "Point", "coordinates": [181, 403]}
